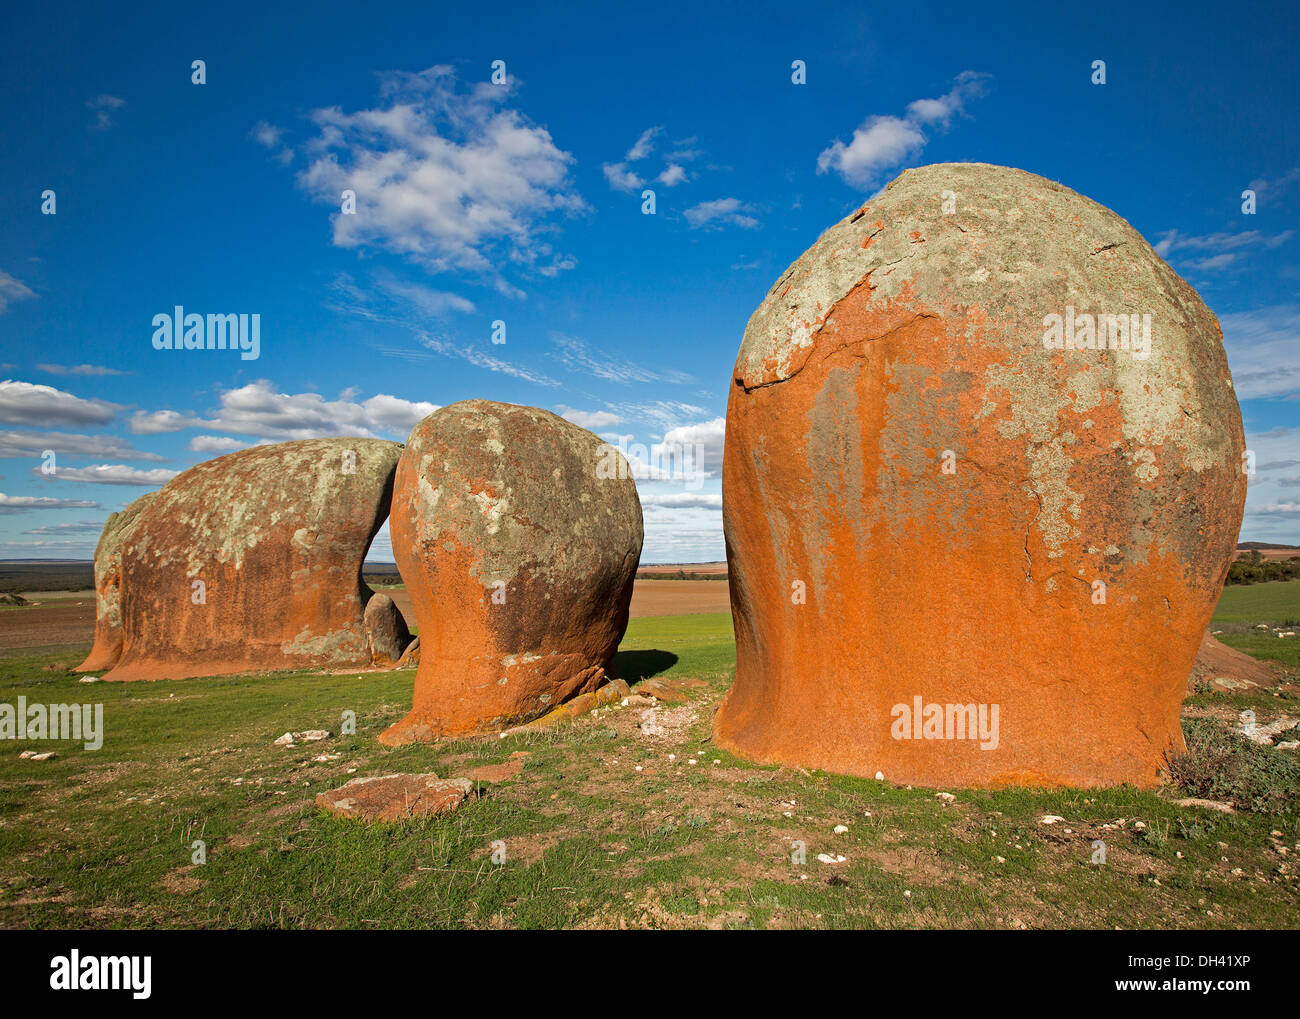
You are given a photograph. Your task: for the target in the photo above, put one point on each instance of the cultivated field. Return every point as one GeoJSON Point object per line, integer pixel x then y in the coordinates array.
{"type": "Point", "coordinates": [606, 825]}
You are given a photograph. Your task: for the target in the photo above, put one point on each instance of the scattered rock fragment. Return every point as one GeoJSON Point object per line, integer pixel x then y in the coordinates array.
{"type": "Point", "coordinates": [395, 797]}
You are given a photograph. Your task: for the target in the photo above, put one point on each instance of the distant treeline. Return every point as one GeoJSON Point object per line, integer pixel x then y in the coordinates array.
{"type": "Point", "coordinates": [680, 575]}
{"type": "Point", "coordinates": [1252, 568]}
{"type": "Point", "coordinates": [47, 576]}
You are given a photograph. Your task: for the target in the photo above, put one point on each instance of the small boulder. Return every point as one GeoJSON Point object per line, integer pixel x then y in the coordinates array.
{"type": "Point", "coordinates": [386, 630]}
{"type": "Point", "coordinates": [395, 797]}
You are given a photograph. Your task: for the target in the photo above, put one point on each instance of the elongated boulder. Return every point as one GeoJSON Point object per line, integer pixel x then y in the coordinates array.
{"type": "Point", "coordinates": [517, 535]}
{"type": "Point", "coordinates": [107, 648]}
{"type": "Point", "coordinates": [252, 562]}
{"type": "Point", "coordinates": [968, 544]}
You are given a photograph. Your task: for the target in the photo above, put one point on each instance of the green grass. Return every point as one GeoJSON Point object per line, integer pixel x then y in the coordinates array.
{"type": "Point", "coordinates": [103, 839]}
{"type": "Point", "coordinates": [1276, 601]}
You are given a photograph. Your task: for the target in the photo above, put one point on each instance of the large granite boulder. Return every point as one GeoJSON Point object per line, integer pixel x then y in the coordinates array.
{"type": "Point", "coordinates": [107, 647]}
{"type": "Point", "coordinates": [517, 535]}
{"type": "Point", "coordinates": [983, 471]}
{"type": "Point", "coordinates": [252, 562]}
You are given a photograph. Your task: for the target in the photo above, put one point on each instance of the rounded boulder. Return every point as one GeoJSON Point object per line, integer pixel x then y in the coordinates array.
{"type": "Point", "coordinates": [517, 535]}
{"type": "Point", "coordinates": [983, 478]}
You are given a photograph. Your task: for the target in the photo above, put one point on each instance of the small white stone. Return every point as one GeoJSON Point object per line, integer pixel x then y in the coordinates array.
{"type": "Point", "coordinates": [840, 829]}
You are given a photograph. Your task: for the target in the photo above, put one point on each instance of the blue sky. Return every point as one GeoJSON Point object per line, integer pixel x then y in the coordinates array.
{"type": "Point", "coordinates": [522, 203]}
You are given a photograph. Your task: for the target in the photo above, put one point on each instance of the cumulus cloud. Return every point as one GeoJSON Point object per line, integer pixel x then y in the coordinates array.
{"type": "Point", "coordinates": [111, 474]}
{"type": "Point", "coordinates": [589, 418]}
{"type": "Point", "coordinates": [881, 143]}
{"type": "Point", "coordinates": [217, 444]}
{"type": "Point", "coordinates": [704, 439]}
{"type": "Point", "coordinates": [451, 179]}
{"type": "Point", "coordinates": [259, 410]}
{"type": "Point", "coordinates": [157, 422]}
{"type": "Point", "coordinates": [25, 403]}
{"type": "Point", "coordinates": [12, 289]}
{"type": "Point", "coordinates": [721, 212]}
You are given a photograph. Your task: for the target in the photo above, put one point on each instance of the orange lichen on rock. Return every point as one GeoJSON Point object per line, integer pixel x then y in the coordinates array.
{"type": "Point", "coordinates": [252, 562]}
{"type": "Point", "coordinates": [107, 648]}
{"type": "Point", "coordinates": [517, 535]}
{"type": "Point", "coordinates": [966, 546]}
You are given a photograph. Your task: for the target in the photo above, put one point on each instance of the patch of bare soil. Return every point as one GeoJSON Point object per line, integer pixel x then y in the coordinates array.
{"type": "Point", "coordinates": [50, 622]}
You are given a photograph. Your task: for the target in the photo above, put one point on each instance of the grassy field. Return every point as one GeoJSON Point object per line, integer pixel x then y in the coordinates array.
{"type": "Point", "coordinates": [1242, 607]}
{"type": "Point", "coordinates": [604, 827]}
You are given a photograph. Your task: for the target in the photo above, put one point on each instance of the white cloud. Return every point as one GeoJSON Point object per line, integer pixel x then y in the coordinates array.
{"type": "Point", "coordinates": [451, 180]}
{"type": "Point", "coordinates": [23, 503]}
{"type": "Point", "coordinates": [576, 356]}
{"type": "Point", "coordinates": [426, 300]}
{"type": "Point", "coordinates": [621, 178]}
{"type": "Point", "coordinates": [258, 410]}
{"type": "Point", "coordinates": [1272, 513]}
{"type": "Point", "coordinates": [20, 444]}
{"type": "Point", "coordinates": [217, 444]}
{"type": "Point", "coordinates": [111, 474]}
{"type": "Point", "coordinates": [673, 175]}
{"type": "Point", "coordinates": [683, 500]}
{"type": "Point", "coordinates": [1263, 349]}
{"type": "Point", "coordinates": [704, 440]}
{"type": "Point", "coordinates": [589, 418]}
{"type": "Point", "coordinates": [156, 422]}
{"type": "Point", "coordinates": [721, 211]}
{"type": "Point", "coordinates": [1225, 241]}
{"type": "Point", "coordinates": [12, 289]}
{"type": "Point", "coordinates": [644, 145]}
{"type": "Point", "coordinates": [25, 403]}
{"type": "Point", "coordinates": [80, 527]}
{"type": "Point", "coordinates": [479, 359]}
{"type": "Point", "coordinates": [78, 369]}
{"type": "Point", "coordinates": [104, 106]}
{"type": "Point", "coordinates": [881, 143]}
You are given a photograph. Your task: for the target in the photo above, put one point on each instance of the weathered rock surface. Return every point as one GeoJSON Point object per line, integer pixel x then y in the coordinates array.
{"type": "Point", "coordinates": [923, 496]}
{"type": "Point", "coordinates": [518, 541]}
{"type": "Point", "coordinates": [252, 562]}
{"type": "Point", "coordinates": [107, 648]}
{"type": "Point", "coordinates": [395, 797]}
{"type": "Point", "coordinates": [386, 630]}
